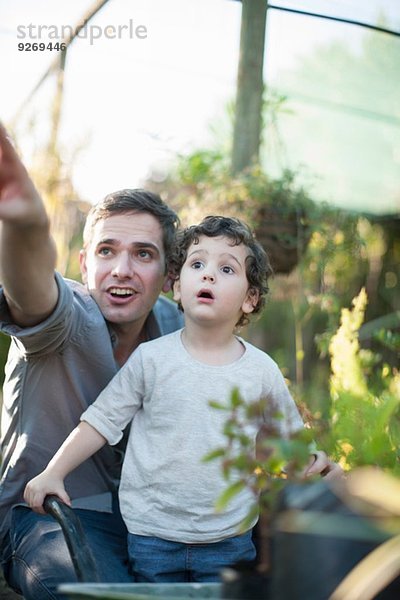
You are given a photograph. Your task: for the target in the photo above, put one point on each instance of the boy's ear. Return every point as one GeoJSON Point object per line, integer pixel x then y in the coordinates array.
{"type": "Point", "coordinates": [251, 300]}
{"type": "Point", "coordinates": [177, 290]}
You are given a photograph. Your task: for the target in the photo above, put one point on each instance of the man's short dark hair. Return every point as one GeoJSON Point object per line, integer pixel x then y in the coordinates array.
{"type": "Point", "coordinates": [258, 267]}
{"type": "Point", "coordinates": [131, 201]}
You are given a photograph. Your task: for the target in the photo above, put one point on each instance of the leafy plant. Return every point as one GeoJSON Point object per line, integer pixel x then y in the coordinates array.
{"type": "Point", "coordinates": [262, 465]}
{"type": "Point", "coordinates": [363, 429]}
{"type": "Point", "coordinates": [203, 178]}
{"type": "Point", "coordinates": [365, 395]}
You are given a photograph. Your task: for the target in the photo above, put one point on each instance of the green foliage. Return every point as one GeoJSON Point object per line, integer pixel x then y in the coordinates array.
{"type": "Point", "coordinates": [201, 166]}
{"type": "Point", "coordinates": [363, 428]}
{"type": "Point", "coordinates": [264, 468]}
{"type": "Point", "coordinates": [365, 394]}
{"type": "Point", "coordinates": [205, 174]}
{"type": "Point", "coordinates": [202, 183]}
{"type": "Point", "coordinates": [389, 339]}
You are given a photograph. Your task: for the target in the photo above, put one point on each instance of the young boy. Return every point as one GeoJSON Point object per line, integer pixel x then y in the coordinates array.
{"type": "Point", "coordinates": [167, 493]}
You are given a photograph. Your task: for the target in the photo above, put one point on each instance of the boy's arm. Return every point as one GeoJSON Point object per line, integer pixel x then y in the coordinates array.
{"type": "Point", "coordinates": [27, 250]}
{"type": "Point", "coordinates": [81, 443]}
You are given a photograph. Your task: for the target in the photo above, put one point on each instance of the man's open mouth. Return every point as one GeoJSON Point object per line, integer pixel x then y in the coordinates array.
{"type": "Point", "coordinates": [121, 292]}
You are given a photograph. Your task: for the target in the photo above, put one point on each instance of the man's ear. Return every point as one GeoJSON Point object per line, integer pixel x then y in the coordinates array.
{"type": "Point", "coordinates": [82, 264]}
{"type": "Point", "coordinates": [168, 283]}
{"type": "Point", "coordinates": [251, 300]}
{"type": "Point", "coordinates": [177, 290]}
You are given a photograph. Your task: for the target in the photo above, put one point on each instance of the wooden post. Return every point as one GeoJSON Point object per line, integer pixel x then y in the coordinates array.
{"type": "Point", "coordinates": [248, 114]}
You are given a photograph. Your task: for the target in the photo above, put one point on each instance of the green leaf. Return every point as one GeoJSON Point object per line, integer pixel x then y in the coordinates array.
{"type": "Point", "coordinates": [227, 495]}
{"type": "Point", "coordinates": [217, 453]}
{"type": "Point", "coordinates": [217, 405]}
{"type": "Point", "coordinates": [250, 518]}
{"type": "Point", "coordinates": [236, 399]}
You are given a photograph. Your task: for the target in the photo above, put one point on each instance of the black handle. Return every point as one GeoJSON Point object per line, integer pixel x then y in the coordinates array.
{"type": "Point", "coordinates": [81, 555]}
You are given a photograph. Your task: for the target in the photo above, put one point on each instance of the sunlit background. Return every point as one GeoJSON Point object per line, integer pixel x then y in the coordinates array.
{"type": "Point", "coordinates": [130, 105]}
{"type": "Point", "coordinates": [158, 110]}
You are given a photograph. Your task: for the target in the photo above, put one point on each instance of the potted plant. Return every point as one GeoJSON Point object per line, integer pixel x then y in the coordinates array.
{"type": "Point", "coordinates": [265, 471]}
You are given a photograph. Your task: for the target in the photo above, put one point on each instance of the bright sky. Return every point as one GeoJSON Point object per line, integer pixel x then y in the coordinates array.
{"type": "Point", "coordinates": [133, 103]}
{"type": "Point", "coordinates": [129, 102]}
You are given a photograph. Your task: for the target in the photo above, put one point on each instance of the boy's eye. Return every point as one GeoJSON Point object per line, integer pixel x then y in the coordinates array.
{"type": "Point", "coordinates": [227, 269]}
{"type": "Point", "coordinates": [144, 254]}
{"type": "Point", "coordinates": [197, 264]}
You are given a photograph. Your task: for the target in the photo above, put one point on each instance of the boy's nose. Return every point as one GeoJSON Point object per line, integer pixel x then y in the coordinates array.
{"type": "Point", "coordinates": [208, 277]}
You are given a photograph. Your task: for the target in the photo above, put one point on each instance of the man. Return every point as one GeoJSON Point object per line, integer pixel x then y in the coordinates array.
{"type": "Point", "coordinates": [68, 340]}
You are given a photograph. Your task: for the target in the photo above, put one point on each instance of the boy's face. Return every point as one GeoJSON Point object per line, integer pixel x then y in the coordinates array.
{"type": "Point", "coordinates": [212, 286]}
{"type": "Point", "coordinates": [123, 266]}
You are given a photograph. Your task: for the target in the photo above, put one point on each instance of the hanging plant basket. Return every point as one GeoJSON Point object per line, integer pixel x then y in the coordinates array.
{"type": "Point", "coordinates": [284, 235]}
{"type": "Point", "coordinates": [279, 210]}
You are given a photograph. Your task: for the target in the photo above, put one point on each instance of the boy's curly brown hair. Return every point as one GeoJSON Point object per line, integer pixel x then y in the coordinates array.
{"type": "Point", "coordinates": [258, 267]}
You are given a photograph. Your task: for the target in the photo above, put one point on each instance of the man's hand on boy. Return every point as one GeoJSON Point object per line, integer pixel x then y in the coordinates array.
{"type": "Point", "coordinates": [321, 464]}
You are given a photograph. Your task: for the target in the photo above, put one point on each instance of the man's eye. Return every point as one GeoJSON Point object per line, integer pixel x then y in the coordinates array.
{"type": "Point", "coordinates": [227, 269]}
{"type": "Point", "coordinates": [104, 251]}
{"type": "Point", "coordinates": [145, 254]}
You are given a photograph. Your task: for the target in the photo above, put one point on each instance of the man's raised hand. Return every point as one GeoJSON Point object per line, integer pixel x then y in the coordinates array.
{"type": "Point", "coordinates": [20, 203]}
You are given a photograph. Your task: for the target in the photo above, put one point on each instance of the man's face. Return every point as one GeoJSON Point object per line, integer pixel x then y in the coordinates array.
{"type": "Point", "coordinates": [123, 266]}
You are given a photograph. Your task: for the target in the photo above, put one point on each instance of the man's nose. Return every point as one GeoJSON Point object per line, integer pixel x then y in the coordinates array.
{"type": "Point", "coordinates": [123, 266]}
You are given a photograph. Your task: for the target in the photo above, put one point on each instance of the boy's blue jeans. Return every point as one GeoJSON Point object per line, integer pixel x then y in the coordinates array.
{"type": "Point", "coordinates": [154, 560]}
{"type": "Point", "coordinates": [35, 557]}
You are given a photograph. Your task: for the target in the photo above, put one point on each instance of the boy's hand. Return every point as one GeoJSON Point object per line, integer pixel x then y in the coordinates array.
{"type": "Point", "coordinates": [20, 203]}
{"type": "Point", "coordinates": [40, 486]}
{"type": "Point", "coordinates": [321, 464]}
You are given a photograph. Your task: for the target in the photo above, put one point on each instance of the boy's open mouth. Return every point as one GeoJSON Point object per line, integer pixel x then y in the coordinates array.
{"type": "Point", "coordinates": [206, 294]}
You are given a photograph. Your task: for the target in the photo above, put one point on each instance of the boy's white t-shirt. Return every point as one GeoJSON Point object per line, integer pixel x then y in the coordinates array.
{"type": "Point", "coordinates": [166, 489]}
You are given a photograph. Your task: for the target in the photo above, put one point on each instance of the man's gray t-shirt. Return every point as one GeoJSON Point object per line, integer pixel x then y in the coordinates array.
{"type": "Point", "coordinates": [54, 371]}
{"type": "Point", "coordinates": [166, 489]}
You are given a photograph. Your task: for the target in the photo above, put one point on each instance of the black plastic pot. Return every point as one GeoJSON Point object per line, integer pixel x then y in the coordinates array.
{"type": "Point", "coordinates": [242, 582]}
{"type": "Point", "coordinates": [317, 542]}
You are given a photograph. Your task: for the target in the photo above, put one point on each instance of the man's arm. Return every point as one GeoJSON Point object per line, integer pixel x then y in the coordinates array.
{"type": "Point", "coordinates": [27, 250]}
